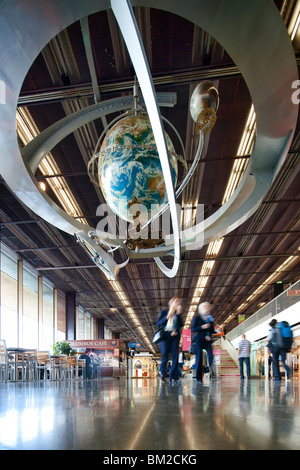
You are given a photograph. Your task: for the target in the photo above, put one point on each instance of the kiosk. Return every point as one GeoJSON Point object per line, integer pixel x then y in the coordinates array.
{"type": "Point", "coordinates": [107, 356]}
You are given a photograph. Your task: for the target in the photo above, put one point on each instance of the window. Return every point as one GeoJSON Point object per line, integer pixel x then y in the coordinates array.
{"type": "Point", "coordinates": [47, 322]}
{"type": "Point", "coordinates": [88, 325]}
{"type": "Point", "coordinates": [30, 308]}
{"type": "Point", "coordinates": [9, 300]}
{"type": "Point", "coordinates": [61, 316]}
{"type": "Point", "coordinates": [81, 333]}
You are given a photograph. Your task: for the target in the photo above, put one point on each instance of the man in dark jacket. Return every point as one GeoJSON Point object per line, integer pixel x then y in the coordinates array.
{"type": "Point", "coordinates": [203, 328]}
{"type": "Point", "coordinates": [171, 321]}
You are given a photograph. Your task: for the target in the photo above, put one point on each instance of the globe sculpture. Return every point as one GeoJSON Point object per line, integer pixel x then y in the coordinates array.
{"type": "Point", "coordinates": [129, 169]}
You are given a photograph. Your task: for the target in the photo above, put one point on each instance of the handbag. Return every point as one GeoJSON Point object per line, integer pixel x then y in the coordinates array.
{"type": "Point", "coordinates": [192, 349]}
{"type": "Point", "coordinates": [158, 336]}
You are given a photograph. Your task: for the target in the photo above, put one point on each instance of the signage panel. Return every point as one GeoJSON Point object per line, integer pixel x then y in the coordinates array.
{"type": "Point", "coordinates": [186, 339]}
{"type": "Point", "coordinates": [294, 292]}
{"type": "Point", "coordinates": [94, 343]}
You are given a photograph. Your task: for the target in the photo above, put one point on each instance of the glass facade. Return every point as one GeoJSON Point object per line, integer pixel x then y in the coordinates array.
{"type": "Point", "coordinates": [48, 316]}
{"type": "Point", "coordinates": [9, 325]}
{"type": "Point", "coordinates": [30, 332]}
{"type": "Point", "coordinates": [33, 311]}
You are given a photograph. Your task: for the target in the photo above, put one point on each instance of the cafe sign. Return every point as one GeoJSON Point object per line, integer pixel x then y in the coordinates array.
{"type": "Point", "coordinates": [94, 343]}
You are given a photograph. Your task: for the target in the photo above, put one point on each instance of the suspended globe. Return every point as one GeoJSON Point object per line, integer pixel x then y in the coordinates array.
{"type": "Point", "coordinates": [129, 169]}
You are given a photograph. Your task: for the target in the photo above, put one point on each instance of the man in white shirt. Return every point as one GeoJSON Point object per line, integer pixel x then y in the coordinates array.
{"type": "Point", "coordinates": [244, 349]}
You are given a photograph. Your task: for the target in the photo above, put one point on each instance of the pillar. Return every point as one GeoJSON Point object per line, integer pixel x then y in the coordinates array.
{"type": "Point", "coordinates": [100, 328]}
{"type": "Point", "coordinates": [70, 315]}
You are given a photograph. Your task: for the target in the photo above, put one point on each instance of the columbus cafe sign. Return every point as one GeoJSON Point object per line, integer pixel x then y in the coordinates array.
{"type": "Point", "coordinates": [96, 344]}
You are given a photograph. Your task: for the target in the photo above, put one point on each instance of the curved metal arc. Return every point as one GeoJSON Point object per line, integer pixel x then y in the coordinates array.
{"type": "Point", "coordinates": [34, 152]}
{"type": "Point", "coordinates": [125, 17]}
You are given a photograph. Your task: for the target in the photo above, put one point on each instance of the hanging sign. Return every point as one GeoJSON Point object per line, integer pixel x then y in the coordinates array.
{"type": "Point", "coordinates": [294, 292]}
{"type": "Point", "coordinates": [186, 339]}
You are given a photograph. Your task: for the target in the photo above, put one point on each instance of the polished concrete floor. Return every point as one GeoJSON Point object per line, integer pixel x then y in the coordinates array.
{"type": "Point", "coordinates": [119, 414]}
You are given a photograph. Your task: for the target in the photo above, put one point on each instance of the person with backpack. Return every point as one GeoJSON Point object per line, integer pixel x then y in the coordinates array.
{"type": "Point", "coordinates": [277, 346]}
{"type": "Point", "coordinates": [287, 341]}
{"type": "Point", "coordinates": [286, 335]}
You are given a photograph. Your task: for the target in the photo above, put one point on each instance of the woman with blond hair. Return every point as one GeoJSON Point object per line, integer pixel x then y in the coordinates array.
{"type": "Point", "coordinates": [170, 320]}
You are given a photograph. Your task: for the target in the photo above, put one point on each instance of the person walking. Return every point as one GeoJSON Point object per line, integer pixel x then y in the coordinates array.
{"type": "Point", "coordinates": [203, 327]}
{"type": "Point", "coordinates": [171, 321]}
{"type": "Point", "coordinates": [181, 359]}
{"type": "Point", "coordinates": [275, 343]}
{"type": "Point", "coordinates": [244, 349]}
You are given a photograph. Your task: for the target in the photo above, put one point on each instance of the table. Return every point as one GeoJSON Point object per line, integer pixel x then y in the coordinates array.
{"type": "Point", "coordinates": [15, 352]}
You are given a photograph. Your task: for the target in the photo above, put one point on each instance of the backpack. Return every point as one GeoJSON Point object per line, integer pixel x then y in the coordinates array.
{"type": "Point", "coordinates": [276, 339]}
{"type": "Point", "coordinates": [286, 335]}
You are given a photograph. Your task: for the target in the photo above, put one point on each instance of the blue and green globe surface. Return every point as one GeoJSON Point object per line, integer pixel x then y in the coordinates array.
{"type": "Point", "coordinates": [129, 169]}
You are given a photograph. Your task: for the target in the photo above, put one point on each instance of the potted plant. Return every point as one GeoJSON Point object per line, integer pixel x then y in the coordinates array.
{"type": "Point", "coordinates": [63, 347]}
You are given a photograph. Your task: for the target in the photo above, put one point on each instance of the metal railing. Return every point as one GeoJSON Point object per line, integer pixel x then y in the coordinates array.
{"type": "Point", "coordinates": [277, 305]}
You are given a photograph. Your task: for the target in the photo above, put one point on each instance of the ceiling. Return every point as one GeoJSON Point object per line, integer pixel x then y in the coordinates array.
{"type": "Point", "coordinates": [238, 278]}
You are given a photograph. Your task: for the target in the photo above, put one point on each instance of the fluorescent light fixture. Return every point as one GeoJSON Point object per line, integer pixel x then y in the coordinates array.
{"type": "Point", "coordinates": [130, 312]}
{"type": "Point", "coordinates": [27, 130]}
{"type": "Point", "coordinates": [295, 28]}
{"type": "Point", "coordinates": [235, 177]}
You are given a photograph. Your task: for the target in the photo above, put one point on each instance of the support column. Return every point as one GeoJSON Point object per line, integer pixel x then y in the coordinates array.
{"type": "Point", "coordinates": [20, 303]}
{"type": "Point", "coordinates": [40, 311]}
{"type": "Point", "coordinates": [54, 315]}
{"type": "Point", "coordinates": [100, 328]}
{"type": "Point", "coordinates": [70, 315]}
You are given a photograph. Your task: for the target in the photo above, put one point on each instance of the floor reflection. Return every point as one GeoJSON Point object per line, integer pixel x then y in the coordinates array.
{"type": "Point", "coordinates": [145, 414]}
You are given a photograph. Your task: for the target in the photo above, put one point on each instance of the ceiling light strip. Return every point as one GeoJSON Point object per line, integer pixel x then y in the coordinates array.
{"type": "Point", "coordinates": [292, 30]}
{"type": "Point", "coordinates": [235, 177]}
{"type": "Point", "coordinates": [27, 130]}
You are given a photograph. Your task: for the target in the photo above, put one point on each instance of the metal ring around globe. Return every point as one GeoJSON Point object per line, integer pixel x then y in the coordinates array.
{"type": "Point", "coordinates": [181, 143]}
{"type": "Point", "coordinates": [268, 68]}
{"type": "Point", "coordinates": [183, 183]}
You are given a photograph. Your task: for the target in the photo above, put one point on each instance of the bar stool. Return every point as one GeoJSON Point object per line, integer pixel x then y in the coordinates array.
{"type": "Point", "coordinates": [58, 368]}
{"type": "Point", "coordinates": [72, 367]}
{"type": "Point", "coordinates": [6, 362]}
{"type": "Point", "coordinates": [43, 364]}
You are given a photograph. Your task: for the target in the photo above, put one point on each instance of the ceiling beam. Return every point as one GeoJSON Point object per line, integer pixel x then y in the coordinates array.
{"type": "Point", "coordinates": [192, 260]}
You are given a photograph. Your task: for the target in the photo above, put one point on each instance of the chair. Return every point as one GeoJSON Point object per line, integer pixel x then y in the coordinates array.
{"type": "Point", "coordinates": [81, 368]}
{"type": "Point", "coordinates": [72, 367]}
{"type": "Point", "coordinates": [6, 362]}
{"type": "Point", "coordinates": [43, 364]}
{"type": "Point", "coordinates": [25, 364]}
{"type": "Point", "coordinates": [58, 367]}
{"type": "Point", "coordinates": [30, 357]}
